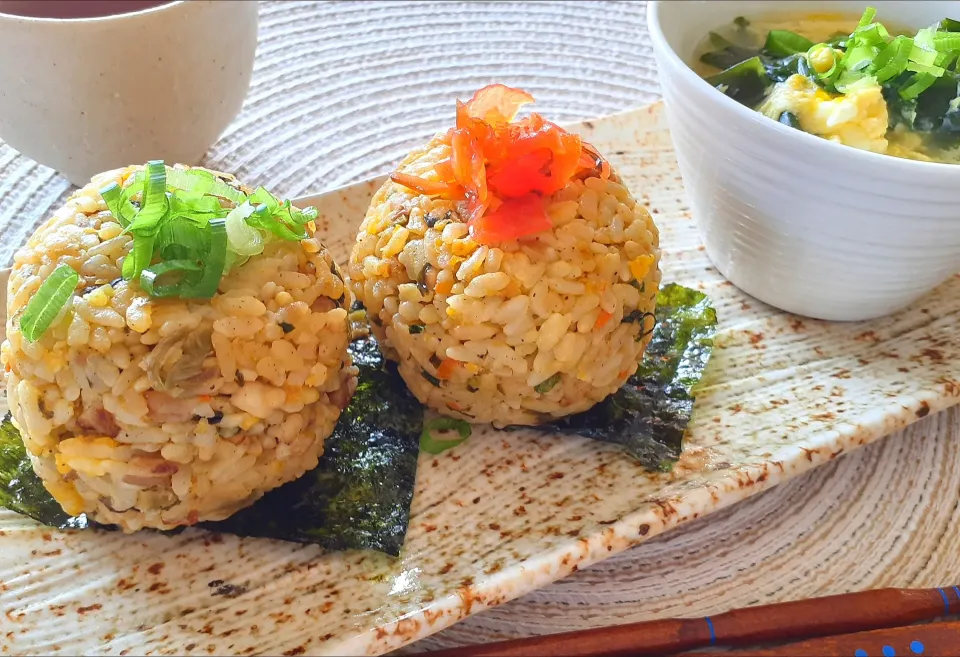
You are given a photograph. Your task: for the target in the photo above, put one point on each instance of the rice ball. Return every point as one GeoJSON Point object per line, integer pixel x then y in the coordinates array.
{"type": "Point", "coordinates": [517, 332]}
{"type": "Point", "coordinates": [162, 412]}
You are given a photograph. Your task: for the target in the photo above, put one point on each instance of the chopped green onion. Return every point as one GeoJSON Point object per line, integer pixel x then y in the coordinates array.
{"type": "Point", "coordinates": [50, 299]}
{"type": "Point", "coordinates": [917, 84]}
{"type": "Point", "coordinates": [267, 219]}
{"type": "Point", "coordinates": [154, 203]}
{"type": "Point", "coordinates": [907, 65]}
{"type": "Point", "coordinates": [858, 57]}
{"type": "Point", "coordinates": [149, 277]}
{"type": "Point", "coordinates": [849, 82]}
{"type": "Point", "coordinates": [892, 60]}
{"type": "Point", "coordinates": [935, 71]}
{"type": "Point", "coordinates": [872, 35]}
{"type": "Point", "coordinates": [119, 206]}
{"type": "Point", "coordinates": [923, 51]}
{"type": "Point", "coordinates": [945, 42]}
{"type": "Point", "coordinates": [261, 196]}
{"type": "Point", "coordinates": [183, 234]}
{"type": "Point", "coordinates": [214, 262]}
{"type": "Point", "coordinates": [832, 71]}
{"type": "Point", "coordinates": [784, 43]}
{"type": "Point", "coordinates": [944, 59]}
{"type": "Point", "coordinates": [432, 445]}
{"type": "Point", "coordinates": [243, 239]}
{"type": "Point", "coordinates": [924, 38]}
{"type": "Point", "coordinates": [547, 385]}
{"type": "Point", "coordinates": [202, 182]}
{"type": "Point", "coordinates": [140, 257]}
{"type": "Point", "coordinates": [196, 208]}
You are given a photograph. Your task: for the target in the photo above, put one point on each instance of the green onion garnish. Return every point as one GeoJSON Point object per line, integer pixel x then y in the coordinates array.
{"type": "Point", "coordinates": [203, 183]}
{"type": "Point", "coordinates": [905, 65]}
{"type": "Point", "coordinates": [916, 67]}
{"type": "Point", "coordinates": [547, 385]}
{"type": "Point", "coordinates": [893, 59]}
{"type": "Point", "coordinates": [189, 228]}
{"type": "Point", "coordinates": [213, 262]}
{"type": "Point", "coordinates": [50, 299]}
{"type": "Point", "coordinates": [829, 74]}
{"type": "Point", "coordinates": [244, 239]}
{"type": "Point", "coordinates": [120, 207]}
{"type": "Point", "coordinates": [149, 277]}
{"type": "Point", "coordinates": [917, 85]}
{"type": "Point", "coordinates": [432, 445]}
{"type": "Point", "coordinates": [945, 42]}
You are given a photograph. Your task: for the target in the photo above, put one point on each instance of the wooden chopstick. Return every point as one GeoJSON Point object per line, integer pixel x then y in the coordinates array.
{"type": "Point", "coordinates": [801, 619]}
{"type": "Point", "coordinates": [931, 640]}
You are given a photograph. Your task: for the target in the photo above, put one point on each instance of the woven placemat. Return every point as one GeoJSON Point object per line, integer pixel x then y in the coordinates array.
{"type": "Point", "coordinates": [342, 90]}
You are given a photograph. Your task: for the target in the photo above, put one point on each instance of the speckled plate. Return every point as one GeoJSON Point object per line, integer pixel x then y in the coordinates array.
{"type": "Point", "coordinates": [503, 513]}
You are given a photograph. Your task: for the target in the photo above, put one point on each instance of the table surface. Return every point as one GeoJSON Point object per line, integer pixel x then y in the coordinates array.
{"type": "Point", "coordinates": [342, 90]}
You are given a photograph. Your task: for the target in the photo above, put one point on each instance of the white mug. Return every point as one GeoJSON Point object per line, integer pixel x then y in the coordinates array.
{"type": "Point", "coordinates": [86, 95]}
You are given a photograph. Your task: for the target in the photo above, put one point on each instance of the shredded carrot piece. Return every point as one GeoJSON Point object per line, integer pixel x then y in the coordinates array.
{"type": "Point", "coordinates": [204, 398]}
{"type": "Point", "coordinates": [447, 368]}
{"type": "Point", "coordinates": [504, 168]}
{"type": "Point", "coordinates": [424, 186]}
{"type": "Point", "coordinates": [602, 319]}
{"type": "Point", "coordinates": [515, 218]}
{"type": "Point", "coordinates": [497, 103]}
{"type": "Point", "coordinates": [453, 406]}
{"type": "Point", "coordinates": [444, 287]}
{"type": "Point", "coordinates": [590, 159]}
{"type": "Point", "coordinates": [604, 169]}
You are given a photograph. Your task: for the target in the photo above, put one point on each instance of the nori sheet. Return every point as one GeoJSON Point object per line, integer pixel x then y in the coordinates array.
{"type": "Point", "coordinates": [649, 415]}
{"type": "Point", "coordinates": [359, 495]}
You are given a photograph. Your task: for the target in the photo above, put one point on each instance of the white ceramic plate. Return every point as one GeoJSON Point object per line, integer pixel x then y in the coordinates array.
{"type": "Point", "coordinates": [503, 513]}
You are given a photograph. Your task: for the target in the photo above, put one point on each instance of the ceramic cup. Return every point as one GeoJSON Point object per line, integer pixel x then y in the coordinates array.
{"type": "Point", "coordinates": [804, 224]}
{"type": "Point", "coordinates": [85, 95]}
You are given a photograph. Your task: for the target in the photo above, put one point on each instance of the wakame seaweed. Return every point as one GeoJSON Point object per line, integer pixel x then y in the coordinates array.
{"type": "Point", "coordinates": [649, 415]}
{"type": "Point", "coordinates": [358, 497]}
